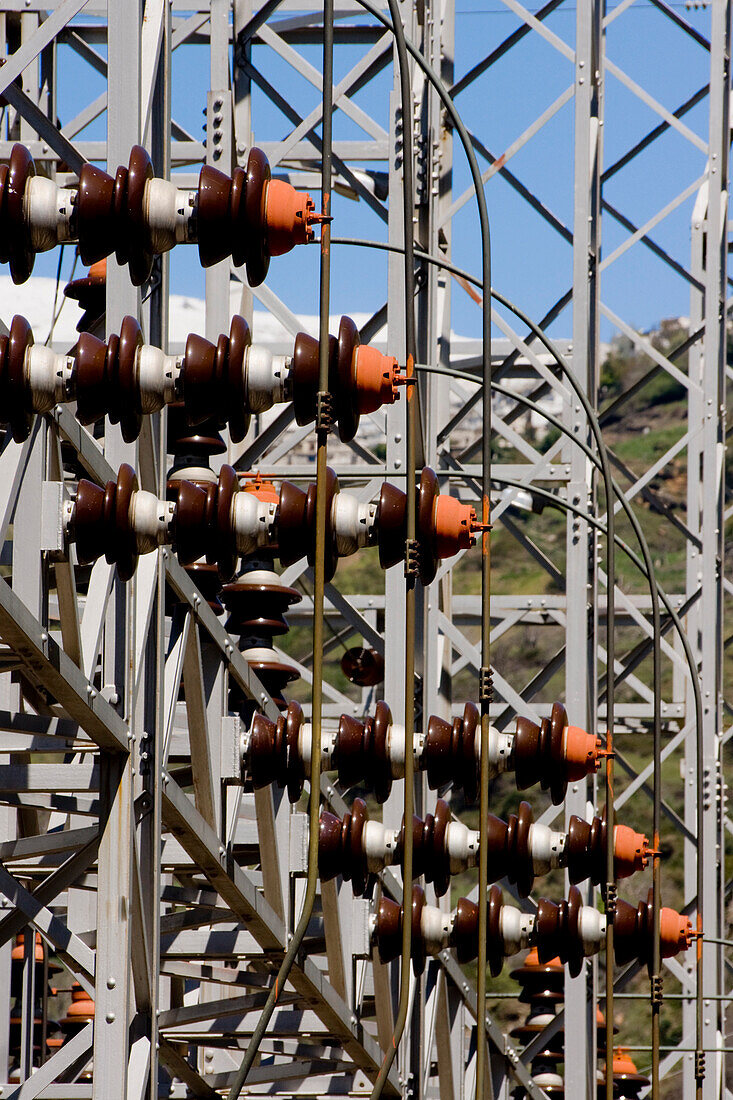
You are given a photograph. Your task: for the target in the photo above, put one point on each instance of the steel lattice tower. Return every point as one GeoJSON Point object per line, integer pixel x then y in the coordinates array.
{"type": "Point", "coordinates": [170, 894]}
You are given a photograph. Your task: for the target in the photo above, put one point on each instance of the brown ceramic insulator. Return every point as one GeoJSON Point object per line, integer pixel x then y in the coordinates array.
{"type": "Point", "coordinates": [16, 409]}
{"type": "Point", "coordinates": [559, 773]}
{"type": "Point", "coordinates": [348, 753]}
{"type": "Point", "coordinates": [273, 756]}
{"type": "Point", "coordinates": [274, 674]}
{"type": "Point", "coordinates": [341, 848]}
{"type": "Point", "coordinates": [291, 523]}
{"type": "Point", "coordinates": [557, 931]}
{"type": "Point", "coordinates": [633, 931]}
{"type": "Point", "coordinates": [378, 766]}
{"type": "Point", "coordinates": [364, 667]}
{"type": "Point", "coordinates": [388, 931]}
{"type": "Point", "coordinates": [5, 229]}
{"type": "Point", "coordinates": [191, 446]}
{"type": "Point", "coordinates": [206, 579]}
{"type": "Point", "coordinates": [509, 853]}
{"type": "Point", "coordinates": [257, 609]}
{"type": "Point", "coordinates": [360, 754]}
{"type": "Point", "coordinates": [107, 379]}
{"type": "Point", "coordinates": [216, 205]}
{"type": "Point", "coordinates": [467, 733]}
{"type": "Point", "coordinates": [585, 850]}
{"type": "Point", "coordinates": [250, 233]}
{"type": "Point", "coordinates": [464, 934]}
{"type": "Point", "coordinates": [330, 848]}
{"type": "Point", "coordinates": [110, 215]}
{"type": "Point", "coordinates": [541, 754]}
{"type": "Point", "coordinates": [427, 495]}
{"type": "Point", "coordinates": [213, 379]}
{"type": "Point", "coordinates": [431, 858]}
{"type": "Point", "coordinates": [221, 543]}
{"type": "Point", "coordinates": [304, 375]}
{"type": "Point", "coordinates": [347, 412]}
{"type": "Point", "coordinates": [331, 550]}
{"type": "Point", "coordinates": [90, 291]}
{"type": "Point", "coordinates": [268, 752]}
{"type": "Point", "coordinates": [553, 1052]}
{"type": "Point", "coordinates": [15, 239]}
{"type": "Point", "coordinates": [102, 522]}
{"type": "Point", "coordinates": [190, 535]}
{"type": "Point", "coordinates": [391, 525]}
{"type": "Point", "coordinates": [296, 524]}
{"type": "Point", "coordinates": [449, 753]}
{"type": "Point", "coordinates": [545, 981]}
{"type": "Point", "coordinates": [494, 938]}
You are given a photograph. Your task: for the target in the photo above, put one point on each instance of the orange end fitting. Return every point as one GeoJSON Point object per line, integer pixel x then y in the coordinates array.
{"type": "Point", "coordinates": [581, 753]}
{"type": "Point", "coordinates": [289, 215]}
{"type": "Point", "coordinates": [262, 489]}
{"type": "Point", "coordinates": [675, 932]}
{"type": "Point", "coordinates": [631, 851]}
{"type": "Point", "coordinates": [622, 1063]}
{"type": "Point", "coordinates": [532, 961]}
{"type": "Point", "coordinates": [375, 379]}
{"type": "Point", "coordinates": [454, 525]}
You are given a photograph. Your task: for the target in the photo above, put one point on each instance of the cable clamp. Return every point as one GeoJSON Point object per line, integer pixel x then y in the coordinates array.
{"type": "Point", "coordinates": [657, 989]}
{"type": "Point", "coordinates": [325, 411]}
{"type": "Point", "coordinates": [611, 899]}
{"type": "Point", "coordinates": [485, 686]}
{"type": "Point", "coordinates": [412, 558]}
{"type": "Point", "coordinates": [699, 1065]}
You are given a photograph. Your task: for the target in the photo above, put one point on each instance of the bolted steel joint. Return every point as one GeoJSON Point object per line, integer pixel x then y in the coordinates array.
{"type": "Point", "coordinates": [485, 685]}
{"type": "Point", "coordinates": [325, 411]}
{"type": "Point", "coordinates": [412, 558]}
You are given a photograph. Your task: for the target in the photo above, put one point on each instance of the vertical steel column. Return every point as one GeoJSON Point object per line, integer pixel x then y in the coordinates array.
{"type": "Point", "coordinates": [218, 154]}
{"type": "Point", "coordinates": [581, 629]}
{"type": "Point", "coordinates": [693, 581]}
{"type": "Point", "coordinates": [114, 891]}
{"type": "Point", "coordinates": [710, 511]}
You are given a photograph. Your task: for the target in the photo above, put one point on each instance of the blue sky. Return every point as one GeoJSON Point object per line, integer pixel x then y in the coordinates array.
{"type": "Point", "coordinates": [532, 263]}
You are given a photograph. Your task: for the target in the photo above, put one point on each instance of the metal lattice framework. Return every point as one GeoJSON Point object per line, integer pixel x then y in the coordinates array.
{"type": "Point", "coordinates": [177, 940]}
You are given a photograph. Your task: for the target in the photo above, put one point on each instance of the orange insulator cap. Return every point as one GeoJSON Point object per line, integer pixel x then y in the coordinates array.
{"type": "Point", "coordinates": [631, 850]}
{"type": "Point", "coordinates": [675, 932]}
{"type": "Point", "coordinates": [288, 217]}
{"type": "Point", "coordinates": [622, 1062]}
{"type": "Point", "coordinates": [532, 961]}
{"type": "Point", "coordinates": [98, 271]}
{"type": "Point", "coordinates": [454, 524]}
{"type": "Point", "coordinates": [18, 951]}
{"type": "Point", "coordinates": [82, 1005]}
{"type": "Point", "coordinates": [374, 379]}
{"type": "Point", "coordinates": [262, 489]}
{"type": "Point", "coordinates": [581, 753]}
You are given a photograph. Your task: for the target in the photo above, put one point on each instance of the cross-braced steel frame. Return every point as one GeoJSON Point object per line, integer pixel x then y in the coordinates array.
{"type": "Point", "coordinates": [171, 897]}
